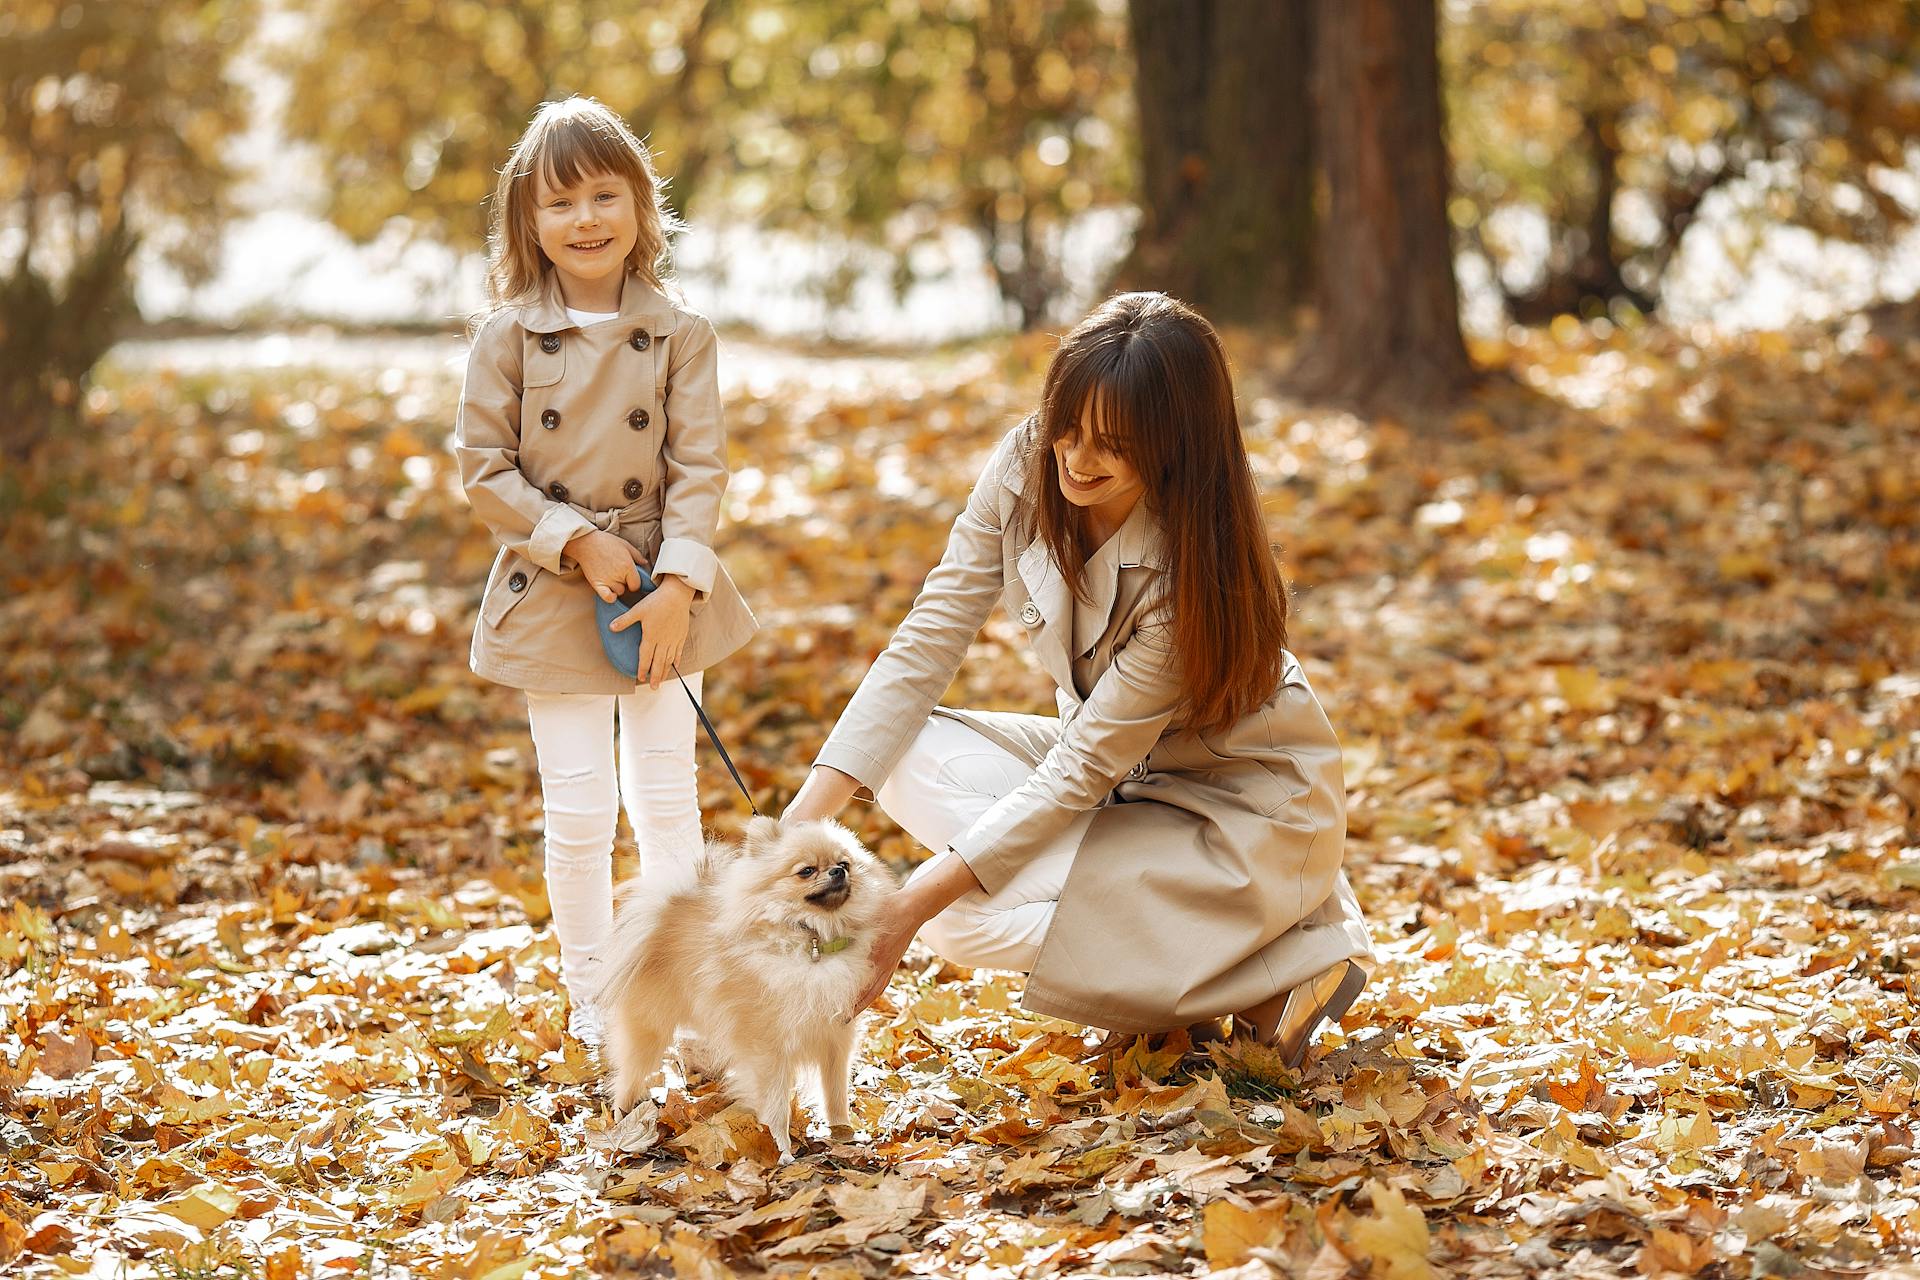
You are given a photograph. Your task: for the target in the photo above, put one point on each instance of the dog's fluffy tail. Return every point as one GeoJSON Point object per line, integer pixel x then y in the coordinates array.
{"type": "Point", "coordinates": [639, 905]}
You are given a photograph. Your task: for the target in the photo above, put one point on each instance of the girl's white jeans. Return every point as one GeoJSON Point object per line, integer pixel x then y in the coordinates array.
{"type": "Point", "coordinates": [583, 790]}
{"type": "Point", "coordinates": [948, 778]}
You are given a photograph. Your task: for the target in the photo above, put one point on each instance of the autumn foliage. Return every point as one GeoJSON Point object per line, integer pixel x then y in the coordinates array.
{"type": "Point", "coordinates": [1625, 657]}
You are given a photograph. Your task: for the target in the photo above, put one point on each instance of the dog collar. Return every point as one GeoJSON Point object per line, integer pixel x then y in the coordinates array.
{"type": "Point", "coordinates": [818, 946]}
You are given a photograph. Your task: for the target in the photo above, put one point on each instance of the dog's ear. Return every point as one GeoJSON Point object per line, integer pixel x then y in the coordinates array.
{"type": "Point", "coordinates": [760, 834]}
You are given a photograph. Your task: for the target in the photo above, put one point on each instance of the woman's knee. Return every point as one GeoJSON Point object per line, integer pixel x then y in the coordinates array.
{"type": "Point", "coordinates": [911, 795]}
{"type": "Point", "coordinates": [949, 775]}
{"type": "Point", "coordinates": [979, 936]}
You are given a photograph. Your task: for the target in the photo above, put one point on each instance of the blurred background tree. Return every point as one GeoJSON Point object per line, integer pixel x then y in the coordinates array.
{"type": "Point", "coordinates": [1226, 121]}
{"type": "Point", "coordinates": [115, 121]}
{"type": "Point", "coordinates": [1588, 136]}
{"type": "Point", "coordinates": [883, 124]}
{"type": "Point", "coordinates": [1269, 153]}
{"type": "Point", "coordinates": [1389, 307]}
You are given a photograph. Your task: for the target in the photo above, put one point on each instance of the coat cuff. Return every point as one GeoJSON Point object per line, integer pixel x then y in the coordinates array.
{"type": "Point", "coordinates": [561, 525]}
{"type": "Point", "coordinates": [856, 764]}
{"type": "Point", "coordinates": [1008, 835]}
{"type": "Point", "coordinates": [992, 870]}
{"type": "Point", "coordinates": [693, 561]}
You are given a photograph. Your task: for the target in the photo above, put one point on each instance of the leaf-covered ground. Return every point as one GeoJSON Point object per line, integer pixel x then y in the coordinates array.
{"type": "Point", "coordinates": [1626, 658]}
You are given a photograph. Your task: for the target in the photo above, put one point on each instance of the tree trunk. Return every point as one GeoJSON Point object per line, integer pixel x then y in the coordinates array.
{"type": "Point", "coordinates": [1226, 156]}
{"type": "Point", "coordinates": [1389, 308]}
{"type": "Point", "coordinates": [1590, 282]}
{"type": "Point", "coordinates": [50, 340]}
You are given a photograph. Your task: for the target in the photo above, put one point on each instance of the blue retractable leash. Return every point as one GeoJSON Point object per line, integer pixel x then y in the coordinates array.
{"type": "Point", "coordinates": [623, 651]}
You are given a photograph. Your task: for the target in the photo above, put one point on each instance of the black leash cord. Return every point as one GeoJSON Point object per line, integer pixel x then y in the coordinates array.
{"type": "Point", "coordinates": [714, 737]}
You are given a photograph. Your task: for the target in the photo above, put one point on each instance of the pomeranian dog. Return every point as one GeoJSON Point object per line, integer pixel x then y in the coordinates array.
{"type": "Point", "coordinates": [760, 953]}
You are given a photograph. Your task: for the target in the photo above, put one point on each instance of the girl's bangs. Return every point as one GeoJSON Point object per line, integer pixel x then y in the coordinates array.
{"type": "Point", "coordinates": [570, 150]}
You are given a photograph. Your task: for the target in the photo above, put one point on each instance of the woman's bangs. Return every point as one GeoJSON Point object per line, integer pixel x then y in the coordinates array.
{"type": "Point", "coordinates": [1083, 384]}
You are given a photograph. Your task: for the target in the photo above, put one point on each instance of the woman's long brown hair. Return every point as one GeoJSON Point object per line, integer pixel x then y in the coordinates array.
{"type": "Point", "coordinates": [1154, 372]}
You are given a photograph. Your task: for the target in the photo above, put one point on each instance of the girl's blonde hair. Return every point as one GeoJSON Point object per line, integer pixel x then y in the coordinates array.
{"type": "Point", "coordinates": [565, 142]}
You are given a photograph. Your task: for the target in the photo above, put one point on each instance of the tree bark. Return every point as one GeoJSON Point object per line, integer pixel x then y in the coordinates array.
{"type": "Point", "coordinates": [1226, 156]}
{"type": "Point", "coordinates": [1389, 308]}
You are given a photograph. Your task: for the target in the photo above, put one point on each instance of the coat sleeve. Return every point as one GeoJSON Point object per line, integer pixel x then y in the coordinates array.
{"type": "Point", "coordinates": [907, 679]}
{"type": "Point", "coordinates": [487, 445]}
{"type": "Point", "coordinates": [1115, 728]}
{"type": "Point", "coordinates": [696, 460]}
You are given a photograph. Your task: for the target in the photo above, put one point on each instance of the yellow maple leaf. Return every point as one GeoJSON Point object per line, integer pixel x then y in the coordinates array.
{"type": "Point", "coordinates": [1394, 1236]}
{"type": "Point", "coordinates": [205, 1207]}
{"type": "Point", "coordinates": [1231, 1232]}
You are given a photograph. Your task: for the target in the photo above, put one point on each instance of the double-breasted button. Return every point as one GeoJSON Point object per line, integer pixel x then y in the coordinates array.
{"type": "Point", "coordinates": [1031, 614]}
{"type": "Point", "coordinates": [549, 342]}
{"type": "Point", "coordinates": [550, 418]}
{"type": "Point", "coordinates": [632, 489]}
{"type": "Point", "coordinates": [639, 419]}
{"type": "Point", "coordinates": [518, 582]}
{"type": "Point", "coordinates": [641, 340]}
{"type": "Point", "coordinates": [558, 490]}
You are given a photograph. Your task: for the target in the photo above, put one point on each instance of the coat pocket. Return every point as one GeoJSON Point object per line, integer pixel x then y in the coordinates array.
{"type": "Point", "coordinates": [506, 593]}
{"type": "Point", "coordinates": [542, 368]}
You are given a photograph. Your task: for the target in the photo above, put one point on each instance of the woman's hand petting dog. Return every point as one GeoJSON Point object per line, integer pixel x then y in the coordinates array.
{"type": "Point", "coordinates": [936, 886]}
{"type": "Point", "coordinates": [892, 936]}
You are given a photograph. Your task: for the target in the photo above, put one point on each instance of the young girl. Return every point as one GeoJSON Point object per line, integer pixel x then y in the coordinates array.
{"type": "Point", "coordinates": [1167, 851]}
{"type": "Point", "coordinates": [590, 441]}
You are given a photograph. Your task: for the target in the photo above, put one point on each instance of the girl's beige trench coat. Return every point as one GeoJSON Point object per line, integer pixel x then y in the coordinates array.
{"type": "Point", "coordinates": [1210, 879]}
{"type": "Point", "coordinates": [615, 426]}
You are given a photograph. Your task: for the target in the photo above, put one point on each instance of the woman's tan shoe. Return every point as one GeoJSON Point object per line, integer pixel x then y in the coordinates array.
{"type": "Point", "coordinates": [1288, 1020]}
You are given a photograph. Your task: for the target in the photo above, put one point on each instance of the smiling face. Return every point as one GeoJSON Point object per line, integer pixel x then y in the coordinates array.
{"type": "Point", "coordinates": [587, 230]}
{"type": "Point", "coordinates": [1093, 476]}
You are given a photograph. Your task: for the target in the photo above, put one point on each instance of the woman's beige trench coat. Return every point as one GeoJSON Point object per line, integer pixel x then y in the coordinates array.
{"type": "Point", "coordinates": [1210, 878]}
{"type": "Point", "coordinates": [615, 426]}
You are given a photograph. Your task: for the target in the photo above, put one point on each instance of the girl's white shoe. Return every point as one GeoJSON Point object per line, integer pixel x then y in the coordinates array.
{"type": "Point", "coordinates": [585, 1024]}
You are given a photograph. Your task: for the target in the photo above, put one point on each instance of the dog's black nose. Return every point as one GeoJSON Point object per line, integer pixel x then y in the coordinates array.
{"type": "Point", "coordinates": [837, 874]}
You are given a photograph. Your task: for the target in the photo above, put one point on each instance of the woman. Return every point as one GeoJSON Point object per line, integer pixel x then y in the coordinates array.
{"type": "Point", "coordinates": [1168, 849]}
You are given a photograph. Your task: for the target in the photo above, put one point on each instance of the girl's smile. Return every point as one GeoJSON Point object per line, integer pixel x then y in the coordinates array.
{"type": "Point", "coordinates": [587, 229]}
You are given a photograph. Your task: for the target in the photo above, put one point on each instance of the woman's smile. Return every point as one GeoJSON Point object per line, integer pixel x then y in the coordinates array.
{"type": "Point", "coordinates": [1099, 481]}
{"type": "Point", "coordinates": [1085, 483]}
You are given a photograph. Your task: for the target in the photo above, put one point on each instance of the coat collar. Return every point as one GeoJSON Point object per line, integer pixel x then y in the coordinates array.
{"type": "Point", "coordinates": [646, 307]}
{"type": "Point", "coordinates": [1137, 544]}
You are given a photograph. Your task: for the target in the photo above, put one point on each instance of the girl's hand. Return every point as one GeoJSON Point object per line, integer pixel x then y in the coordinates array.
{"type": "Point", "coordinates": [663, 618]}
{"type": "Point", "coordinates": [606, 560]}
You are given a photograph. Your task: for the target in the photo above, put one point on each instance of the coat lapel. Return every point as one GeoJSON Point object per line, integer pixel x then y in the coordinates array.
{"type": "Point", "coordinates": [1049, 593]}
{"type": "Point", "coordinates": [1137, 544]}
